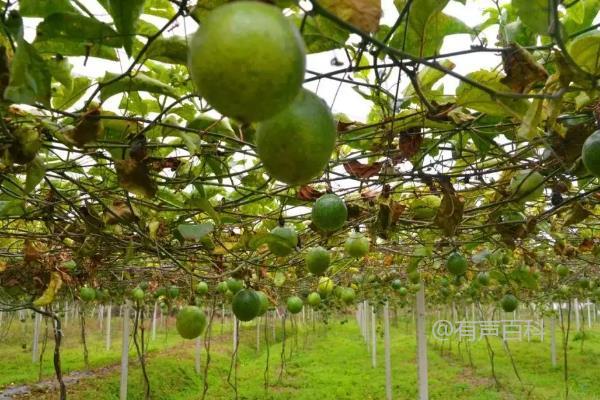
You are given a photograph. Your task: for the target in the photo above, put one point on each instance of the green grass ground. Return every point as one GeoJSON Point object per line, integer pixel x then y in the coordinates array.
{"type": "Point", "coordinates": [331, 363]}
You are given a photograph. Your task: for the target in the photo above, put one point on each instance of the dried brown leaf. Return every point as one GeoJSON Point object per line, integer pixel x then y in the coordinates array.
{"type": "Point", "coordinates": [308, 193]}
{"type": "Point", "coordinates": [522, 70]}
{"type": "Point", "coordinates": [450, 213]}
{"type": "Point", "coordinates": [362, 171]}
{"type": "Point", "coordinates": [363, 14]}
{"type": "Point", "coordinates": [134, 177]}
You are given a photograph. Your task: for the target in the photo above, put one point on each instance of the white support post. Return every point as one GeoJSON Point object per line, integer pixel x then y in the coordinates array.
{"type": "Point", "coordinates": [542, 330]}
{"type": "Point", "coordinates": [66, 321]}
{"type": "Point", "coordinates": [101, 316]}
{"type": "Point", "coordinates": [422, 345]}
{"type": "Point", "coordinates": [108, 323]}
{"type": "Point", "coordinates": [388, 352]}
{"type": "Point", "coordinates": [367, 326]}
{"type": "Point", "coordinates": [198, 355]}
{"type": "Point", "coordinates": [373, 337]}
{"type": "Point", "coordinates": [553, 341]}
{"type": "Point", "coordinates": [125, 352]}
{"type": "Point", "coordinates": [360, 319]}
{"type": "Point", "coordinates": [154, 315]}
{"type": "Point", "coordinates": [273, 325]}
{"type": "Point", "coordinates": [577, 319]}
{"type": "Point", "coordinates": [258, 334]}
{"type": "Point", "coordinates": [589, 314]}
{"type": "Point", "coordinates": [36, 337]}
{"type": "Point", "coordinates": [235, 333]}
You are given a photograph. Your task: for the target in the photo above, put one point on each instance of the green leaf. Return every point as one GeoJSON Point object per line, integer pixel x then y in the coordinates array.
{"type": "Point", "coordinates": [428, 77]}
{"type": "Point", "coordinates": [279, 279]}
{"type": "Point", "coordinates": [580, 16]}
{"type": "Point", "coordinates": [12, 208]}
{"type": "Point", "coordinates": [64, 97]}
{"type": "Point", "coordinates": [140, 82]}
{"type": "Point", "coordinates": [584, 50]}
{"type": "Point", "coordinates": [78, 29]}
{"type": "Point", "coordinates": [427, 28]}
{"type": "Point", "coordinates": [125, 14]}
{"type": "Point", "coordinates": [60, 69]}
{"type": "Point", "coordinates": [159, 8]}
{"type": "Point", "coordinates": [29, 77]}
{"type": "Point", "coordinates": [43, 8]}
{"type": "Point", "coordinates": [204, 205]}
{"type": "Point", "coordinates": [35, 173]}
{"type": "Point", "coordinates": [72, 48]}
{"type": "Point", "coordinates": [534, 13]}
{"type": "Point", "coordinates": [321, 34]}
{"type": "Point", "coordinates": [266, 238]}
{"type": "Point", "coordinates": [529, 126]}
{"type": "Point", "coordinates": [195, 232]}
{"type": "Point", "coordinates": [476, 99]}
{"type": "Point", "coordinates": [171, 50]}
{"type": "Point", "coordinates": [168, 197]}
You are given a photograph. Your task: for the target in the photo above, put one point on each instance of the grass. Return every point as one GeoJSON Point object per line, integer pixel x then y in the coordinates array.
{"type": "Point", "coordinates": [17, 366]}
{"type": "Point", "coordinates": [328, 365]}
{"type": "Point", "coordinates": [334, 363]}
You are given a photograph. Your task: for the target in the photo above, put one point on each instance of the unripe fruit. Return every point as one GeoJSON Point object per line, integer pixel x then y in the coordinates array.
{"type": "Point", "coordinates": [317, 260]}
{"type": "Point", "coordinates": [290, 240]}
{"type": "Point", "coordinates": [294, 304]}
{"type": "Point", "coordinates": [357, 245]}
{"type": "Point", "coordinates": [191, 322]}
{"type": "Point", "coordinates": [247, 60]}
{"type": "Point", "coordinates": [329, 213]}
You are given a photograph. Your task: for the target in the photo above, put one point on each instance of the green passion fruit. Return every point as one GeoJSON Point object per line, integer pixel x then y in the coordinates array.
{"type": "Point", "coordinates": [313, 299]}
{"type": "Point", "coordinates": [190, 322]}
{"type": "Point", "coordinates": [317, 260]}
{"type": "Point", "coordinates": [357, 245]}
{"type": "Point", "coordinates": [222, 287]}
{"type": "Point", "coordinates": [246, 304]}
{"type": "Point", "coordinates": [483, 278]}
{"type": "Point", "coordinates": [87, 294]}
{"type": "Point", "coordinates": [562, 270]}
{"type": "Point", "coordinates": [325, 287]}
{"type": "Point", "coordinates": [527, 185]}
{"type": "Point", "coordinates": [509, 303]}
{"type": "Point", "coordinates": [348, 295]}
{"type": "Point", "coordinates": [590, 153]}
{"type": "Point", "coordinates": [425, 207]}
{"type": "Point", "coordinates": [329, 213]}
{"type": "Point", "coordinates": [264, 303]}
{"type": "Point", "coordinates": [457, 264]}
{"type": "Point", "coordinates": [289, 241]}
{"type": "Point", "coordinates": [294, 304]}
{"type": "Point", "coordinates": [234, 285]}
{"type": "Point", "coordinates": [137, 294]}
{"type": "Point", "coordinates": [247, 60]}
{"type": "Point", "coordinates": [295, 145]}
{"type": "Point", "coordinates": [201, 288]}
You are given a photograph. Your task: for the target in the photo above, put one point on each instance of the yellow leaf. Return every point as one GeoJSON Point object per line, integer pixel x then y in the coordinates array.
{"type": "Point", "coordinates": [53, 287]}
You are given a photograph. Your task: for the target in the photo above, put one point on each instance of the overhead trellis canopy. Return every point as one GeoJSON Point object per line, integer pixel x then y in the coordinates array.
{"type": "Point", "coordinates": [131, 175]}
